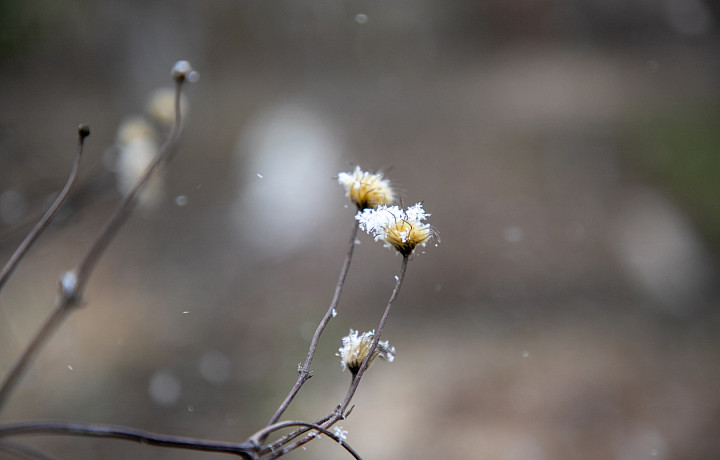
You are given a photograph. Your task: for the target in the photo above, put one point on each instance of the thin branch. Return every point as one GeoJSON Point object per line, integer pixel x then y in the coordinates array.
{"type": "Point", "coordinates": [378, 333]}
{"type": "Point", "coordinates": [292, 435]}
{"type": "Point", "coordinates": [340, 412]}
{"type": "Point", "coordinates": [72, 283]}
{"type": "Point", "coordinates": [278, 426]}
{"type": "Point", "coordinates": [51, 324]}
{"type": "Point", "coordinates": [44, 222]}
{"type": "Point", "coordinates": [125, 207]}
{"type": "Point", "coordinates": [244, 450]}
{"type": "Point", "coordinates": [304, 372]}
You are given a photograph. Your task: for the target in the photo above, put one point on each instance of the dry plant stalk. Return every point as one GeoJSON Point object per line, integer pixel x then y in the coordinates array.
{"type": "Point", "coordinates": [400, 229]}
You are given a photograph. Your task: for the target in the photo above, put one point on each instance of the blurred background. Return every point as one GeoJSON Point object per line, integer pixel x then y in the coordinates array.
{"type": "Point", "coordinates": [569, 153]}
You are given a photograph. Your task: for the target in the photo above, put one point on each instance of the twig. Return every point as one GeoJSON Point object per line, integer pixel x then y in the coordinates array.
{"type": "Point", "coordinates": [278, 426]}
{"type": "Point", "coordinates": [339, 412]}
{"type": "Point", "coordinates": [376, 339]}
{"type": "Point", "coordinates": [244, 450]}
{"type": "Point", "coordinates": [44, 222]}
{"type": "Point", "coordinates": [304, 372]}
{"type": "Point", "coordinates": [72, 283]}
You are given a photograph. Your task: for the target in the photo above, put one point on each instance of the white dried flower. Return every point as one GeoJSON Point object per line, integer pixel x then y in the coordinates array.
{"type": "Point", "coordinates": [356, 348]}
{"type": "Point", "coordinates": [365, 189]}
{"type": "Point", "coordinates": [398, 228]}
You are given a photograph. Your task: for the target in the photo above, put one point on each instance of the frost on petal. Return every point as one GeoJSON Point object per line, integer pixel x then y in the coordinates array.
{"type": "Point", "coordinates": [398, 228]}
{"type": "Point", "coordinates": [356, 347]}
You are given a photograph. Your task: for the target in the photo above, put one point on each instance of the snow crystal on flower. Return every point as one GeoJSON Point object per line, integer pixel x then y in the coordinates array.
{"type": "Point", "coordinates": [398, 228]}
{"type": "Point", "coordinates": [356, 348]}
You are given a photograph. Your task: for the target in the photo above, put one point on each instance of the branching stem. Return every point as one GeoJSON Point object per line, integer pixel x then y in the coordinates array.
{"type": "Point", "coordinates": [71, 292]}
{"type": "Point", "coordinates": [304, 372]}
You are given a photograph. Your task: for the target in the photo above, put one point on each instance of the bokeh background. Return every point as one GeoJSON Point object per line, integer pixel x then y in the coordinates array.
{"type": "Point", "coordinates": [569, 152]}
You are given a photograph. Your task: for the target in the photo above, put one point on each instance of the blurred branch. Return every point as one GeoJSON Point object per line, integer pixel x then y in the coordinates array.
{"type": "Point", "coordinates": [72, 283]}
{"type": "Point", "coordinates": [44, 222]}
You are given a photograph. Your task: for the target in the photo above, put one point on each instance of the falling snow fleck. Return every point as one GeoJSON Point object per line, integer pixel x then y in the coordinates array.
{"type": "Point", "coordinates": [334, 313]}
{"type": "Point", "coordinates": [69, 367]}
{"type": "Point", "coordinates": [361, 18]}
{"type": "Point", "coordinates": [190, 408]}
{"type": "Point", "coordinates": [181, 200]}
{"type": "Point", "coordinates": [525, 354]}
{"type": "Point", "coordinates": [260, 176]}
{"type": "Point", "coordinates": [397, 278]}
{"type": "Point", "coordinates": [185, 312]}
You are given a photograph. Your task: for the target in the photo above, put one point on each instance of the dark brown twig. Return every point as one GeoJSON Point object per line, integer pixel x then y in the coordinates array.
{"type": "Point", "coordinates": [290, 423]}
{"type": "Point", "coordinates": [244, 450]}
{"type": "Point", "coordinates": [340, 412]}
{"type": "Point", "coordinates": [304, 372]}
{"type": "Point", "coordinates": [46, 219]}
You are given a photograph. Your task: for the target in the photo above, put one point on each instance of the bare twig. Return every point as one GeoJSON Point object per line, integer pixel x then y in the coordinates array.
{"type": "Point", "coordinates": [72, 283]}
{"type": "Point", "coordinates": [44, 222]}
{"type": "Point", "coordinates": [304, 372]}
{"type": "Point", "coordinates": [340, 412]}
{"type": "Point", "coordinates": [278, 426]}
{"type": "Point", "coordinates": [244, 450]}
{"type": "Point", "coordinates": [378, 333]}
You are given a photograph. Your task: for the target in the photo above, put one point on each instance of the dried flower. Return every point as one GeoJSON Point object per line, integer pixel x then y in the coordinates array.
{"type": "Point", "coordinates": [356, 348]}
{"type": "Point", "coordinates": [365, 189]}
{"type": "Point", "coordinates": [137, 148]}
{"type": "Point", "coordinates": [398, 228]}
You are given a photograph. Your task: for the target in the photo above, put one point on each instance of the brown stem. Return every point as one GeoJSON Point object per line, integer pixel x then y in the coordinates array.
{"type": "Point", "coordinates": [340, 412]}
{"type": "Point", "coordinates": [304, 372]}
{"type": "Point", "coordinates": [14, 261]}
{"type": "Point", "coordinates": [256, 438]}
{"type": "Point", "coordinates": [376, 339]}
{"type": "Point", "coordinates": [129, 434]}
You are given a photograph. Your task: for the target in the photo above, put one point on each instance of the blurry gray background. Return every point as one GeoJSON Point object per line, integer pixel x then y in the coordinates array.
{"type": "Point", "coordinates": [568, 151]}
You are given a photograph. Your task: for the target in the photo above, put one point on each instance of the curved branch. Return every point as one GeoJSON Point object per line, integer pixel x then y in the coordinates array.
{"type": "Point", "coordinates": [290, 423]}
{"type": "Point", "coordinates": [72, 283]}
{"type": "Point", "coordinates": [128, 434]}
{"type": "Point", "coordinates": [46, 219]}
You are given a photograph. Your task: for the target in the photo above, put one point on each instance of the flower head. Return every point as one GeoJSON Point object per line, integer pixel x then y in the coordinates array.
{"type": "Point", "coordinates": [402, 229]}
{"type": "Point", "coordinates": [365, 189]}
{"type": "Point", "coordinates": [356, 348]}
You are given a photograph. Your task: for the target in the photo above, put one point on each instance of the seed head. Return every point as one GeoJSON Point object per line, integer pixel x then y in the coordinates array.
{"type": "Point", "coordinates": [356, 348]}
{"type": "Point", "coordinates": [365, 189]}
{"type": "Point", "coordinates": [401, 229]}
